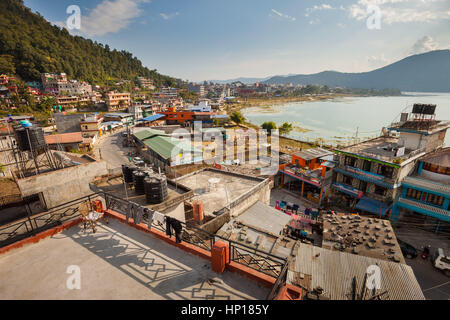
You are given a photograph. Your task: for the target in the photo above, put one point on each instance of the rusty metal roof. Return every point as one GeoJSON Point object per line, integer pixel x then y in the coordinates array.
{"type": "Point", "coordinates": [334, 271]}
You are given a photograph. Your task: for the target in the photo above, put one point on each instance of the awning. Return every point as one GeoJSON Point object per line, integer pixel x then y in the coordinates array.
{"type": "Point", "coordinates": [329, 164]}
{"type": "Point", "coordinates": [152, 117]}
{"type": "Point", "coordinates": [373, 206]}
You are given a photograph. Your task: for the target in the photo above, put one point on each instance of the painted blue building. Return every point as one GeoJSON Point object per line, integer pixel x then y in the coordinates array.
{"type": "Point", "coordinates": [425, 195]}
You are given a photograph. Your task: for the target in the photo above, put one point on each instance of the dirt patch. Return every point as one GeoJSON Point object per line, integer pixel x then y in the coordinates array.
{"type": "Point", "coordinates": [8, 187]}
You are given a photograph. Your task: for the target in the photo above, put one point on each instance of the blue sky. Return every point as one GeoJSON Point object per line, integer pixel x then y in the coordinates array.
{"type": "Point", "coordinates": [222, 39]}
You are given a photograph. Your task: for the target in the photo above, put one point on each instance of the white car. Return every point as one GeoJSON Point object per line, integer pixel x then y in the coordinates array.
{"type": "Point", "coordinates": [138, 161]}
{"type": "Point", "coordinates": [441, 262]}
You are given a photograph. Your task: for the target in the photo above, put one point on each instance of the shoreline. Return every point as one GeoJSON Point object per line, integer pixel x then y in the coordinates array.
{"type": "Point", "coordinates": [286, 143]}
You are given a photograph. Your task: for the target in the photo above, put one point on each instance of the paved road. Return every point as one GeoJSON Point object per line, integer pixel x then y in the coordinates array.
{"type": "Point", "coordinates": [435, 285]}
{"type": "Point", "coordinates": [110, 149]}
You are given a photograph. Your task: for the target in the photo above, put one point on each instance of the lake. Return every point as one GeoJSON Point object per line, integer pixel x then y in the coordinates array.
{"type": "Point", "coordinates": [338, 120]}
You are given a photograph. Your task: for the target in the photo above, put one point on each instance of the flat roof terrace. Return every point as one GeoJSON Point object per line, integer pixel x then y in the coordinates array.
{"type": "Point", "coordinates": [117, 262]}
{"type": "Point", "coordinates": [381, 148]}
{"type": "Point", "coordinates": [217, 188]}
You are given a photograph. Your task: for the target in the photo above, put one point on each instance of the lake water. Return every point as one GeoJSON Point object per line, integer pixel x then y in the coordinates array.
{"type": "Point", "coordinates": [338, 120]}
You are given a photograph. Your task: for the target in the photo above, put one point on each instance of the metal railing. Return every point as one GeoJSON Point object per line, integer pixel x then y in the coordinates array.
{"type": "Point", "coordinates": [33, 224]}
{"type": "Point", "coordinates": [243, 254]}
{"type": "Point", "coordinates": [281, 280]}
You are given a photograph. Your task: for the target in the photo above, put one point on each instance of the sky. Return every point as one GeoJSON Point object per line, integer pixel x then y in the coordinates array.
{"type": "Point", "coordinates": [200, 40]}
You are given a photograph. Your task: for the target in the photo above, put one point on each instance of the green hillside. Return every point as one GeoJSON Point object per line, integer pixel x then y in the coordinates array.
{"type": "Point", "coordinates": [30, 45]}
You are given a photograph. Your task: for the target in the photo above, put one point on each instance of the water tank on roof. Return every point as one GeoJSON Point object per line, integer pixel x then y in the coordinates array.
{"type": "Point", "coordinates": [138, 180]}
{"type": "Point", "coordinates": [30, 138]}
{"type": "Point", "coordinates": [156, 188]}
{"type": "Point", "coordinates": [127, 170]}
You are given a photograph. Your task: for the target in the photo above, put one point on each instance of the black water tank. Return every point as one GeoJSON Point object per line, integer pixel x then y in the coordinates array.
{"type": "Point", "coordinates": [31, 136]}
{"type": "Point", "coordinates": [156, 189]}
{"type": "Point", "coordinates": [138, 180]}
{"type": "Point", "coordinates": [21, 138]}
{"type": "Point", "coordinates": [127, 170]}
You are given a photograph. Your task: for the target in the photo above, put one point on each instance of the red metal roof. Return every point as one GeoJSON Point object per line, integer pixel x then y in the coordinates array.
{"type": "Point", "coordinates": [73, 137]}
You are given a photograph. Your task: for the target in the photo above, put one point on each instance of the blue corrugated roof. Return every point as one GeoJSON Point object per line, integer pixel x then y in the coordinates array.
{"type": "Point", "coordinates": [373, 206]}
{"type": "Point", "coordinates": [153, 117]}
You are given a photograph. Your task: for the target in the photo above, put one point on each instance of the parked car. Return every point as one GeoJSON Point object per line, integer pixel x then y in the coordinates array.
{"type": "Point", "coordinates": [408, 250]}
{"type": "Point", "coordinates": [138, 161]}
{"type": "Point", "coordinates": [441, 261]}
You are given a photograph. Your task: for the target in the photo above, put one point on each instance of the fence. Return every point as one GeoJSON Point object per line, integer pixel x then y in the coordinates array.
{"type": "Point", "coordinates": [33, 224]}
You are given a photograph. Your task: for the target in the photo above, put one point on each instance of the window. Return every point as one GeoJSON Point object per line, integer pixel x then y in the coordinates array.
{"type": "Point", "coordinates": [347, 180]}
{"type": "Point", "coordinates": [386, 171]}
{"type": "Point", "coordinates": [380, 190]}
{"type": "Point", "coordinates": [350, 161]}
{"type": "Point", "coordinates": [367, 165]}
{"type": "Point", "coordinates": [362, 186]}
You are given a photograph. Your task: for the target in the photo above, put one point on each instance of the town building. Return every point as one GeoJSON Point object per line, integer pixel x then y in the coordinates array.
{"type": "Point", "coordinates": [425, 194]}
{"type": "Point", "coordinates": [67, 123]}
{"type": "Point", "coordinates": [369, 174]}
{"type": "Point", "coordinates": [92, 126]}
{"type": "Point", "coordinates": [74, 87]}
{"type": "Point", "coordinates": [145, 83]}
{"type": "Point", "coordinates": [67, 101]}
{"type": "Point", "coordinates": [164, 151]}
{"type": "Point", "coordinates": [309, 173]}
{"type": "Point", "coordinates": [122, 117]}
{"type": "Point", "coordinates": [52, 81]}
{"type": "Point", "coordinates": [64, 141]}
{"type": "Point", "coordinates": [136, 111]}
{"type": "Point", "coordinates": [116, 101]}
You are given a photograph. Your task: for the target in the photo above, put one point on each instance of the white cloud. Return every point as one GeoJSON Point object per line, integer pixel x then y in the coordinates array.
{"type": "Point", "coordinates": [323, 6]}
{"type": "Point", "coordinates": [377, 61]}
{"type": "Point", "coordinates": [402, 11]}
{"type": "Point", "coordinates": [169, 16]}
{"type": "Point", "coordinates": [110, 16]}
{"type": "Point", "coordinates": [283, 15]}
{"type": "Point", "coordinates": [423, 45]}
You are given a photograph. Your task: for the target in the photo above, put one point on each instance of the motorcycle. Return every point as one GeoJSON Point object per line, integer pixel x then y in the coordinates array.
{"type": "Point", "coordinates": [426, 252]}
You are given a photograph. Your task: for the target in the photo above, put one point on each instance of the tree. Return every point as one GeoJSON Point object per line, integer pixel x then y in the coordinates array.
{"type": "Point", "coordinates": [7, 64]}
{"type": "Point", "coordinates": [237, 117]}
{"type": "Point", "coordinates": [285, 128]}
{"type": "Point", "coordinates": [269, 125]}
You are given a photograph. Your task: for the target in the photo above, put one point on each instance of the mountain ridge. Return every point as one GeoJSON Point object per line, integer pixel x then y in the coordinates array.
{"type": "Point", "coordinates": [427, 72]}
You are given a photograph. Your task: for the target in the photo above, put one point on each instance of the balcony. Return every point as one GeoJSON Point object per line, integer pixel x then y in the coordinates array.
{"type": "Point", "coordinates": [423, 208]}
{"type": "Point", "coordinates": [311, 176]}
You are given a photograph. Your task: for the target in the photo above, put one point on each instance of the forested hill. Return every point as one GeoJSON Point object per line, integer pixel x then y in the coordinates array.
{"type": "Point", "coordinates": [30, 45]}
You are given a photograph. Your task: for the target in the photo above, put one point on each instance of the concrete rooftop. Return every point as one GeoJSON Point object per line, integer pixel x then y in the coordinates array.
{"type": "Point", "coordinates": [117, 262]}
{"type": "Point", "coordinates": [228, 188]}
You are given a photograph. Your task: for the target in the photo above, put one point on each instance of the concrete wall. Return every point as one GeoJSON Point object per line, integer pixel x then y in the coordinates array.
{"type": "Point", "coordinates": [68, 123]}
{"type": "Point", "coordinates": [63, 185]}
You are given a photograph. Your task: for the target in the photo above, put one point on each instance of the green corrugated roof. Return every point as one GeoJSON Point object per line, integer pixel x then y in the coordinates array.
{"type": "Point", "coordinates": [148, 133]}
{"type": "Point", "coordinates": [163, 145]}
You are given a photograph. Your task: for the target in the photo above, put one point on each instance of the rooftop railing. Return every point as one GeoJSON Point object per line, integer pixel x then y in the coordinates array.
{"type": "Point", "coordinates": [240, 253]}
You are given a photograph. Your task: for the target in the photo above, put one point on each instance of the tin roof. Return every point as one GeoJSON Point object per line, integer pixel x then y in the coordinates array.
{"type": "Point", "coordinates": [314, 153]}
{"type": "Point", "coordinates": [72, 137]}
{"type": "Point", "coordinates": [334, 271]}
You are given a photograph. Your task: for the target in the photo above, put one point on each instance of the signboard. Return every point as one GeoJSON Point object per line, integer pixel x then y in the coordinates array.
{"type": "Point", "coordinates": [365, 173]}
